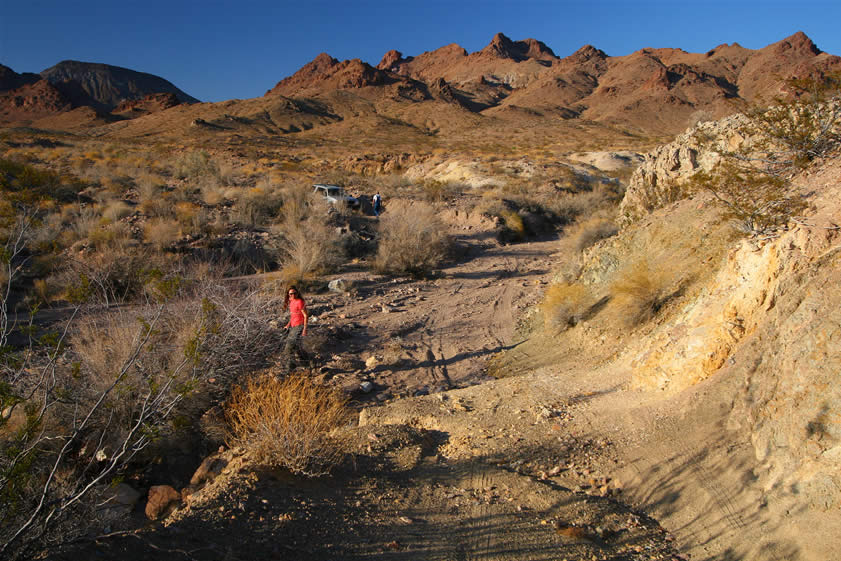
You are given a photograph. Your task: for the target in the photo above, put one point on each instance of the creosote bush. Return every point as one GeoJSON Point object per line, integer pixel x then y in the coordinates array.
{"type": "Point", "coordinates": [412, 239]}
{"type": "Point", "coordinates": [753, 181]}
{"type": "Point", "coordinates": [287, 423]}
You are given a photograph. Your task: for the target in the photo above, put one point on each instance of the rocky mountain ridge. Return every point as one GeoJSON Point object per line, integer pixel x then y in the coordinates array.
{"type": "Point", "coordinates": [656, 90]}
{"type": "Point", "coordinates": [653, 91]}
{"type": "Point", "coordinates": [72, 84]}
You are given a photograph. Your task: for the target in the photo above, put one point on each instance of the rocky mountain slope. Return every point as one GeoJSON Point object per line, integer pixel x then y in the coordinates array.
{"type": "Point", "coordinates": [447, 92]}
{"type": "Point", "coordinates": [656, 90]}
{"type": "Point", "coordinates": [71, 84]}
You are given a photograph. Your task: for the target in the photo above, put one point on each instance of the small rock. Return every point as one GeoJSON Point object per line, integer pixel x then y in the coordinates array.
{"type": "Point", "coordinates": [161, 498]}
{"type": "Point", "coordinates": [339, 285]}
{"type": "Point", "coordinates": [208, 470]}
{"type": "Point", "coordinates": [366, 387]}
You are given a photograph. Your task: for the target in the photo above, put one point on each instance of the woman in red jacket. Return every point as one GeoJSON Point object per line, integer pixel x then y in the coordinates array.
{"type": "Point", "coordinates": [296, 327]}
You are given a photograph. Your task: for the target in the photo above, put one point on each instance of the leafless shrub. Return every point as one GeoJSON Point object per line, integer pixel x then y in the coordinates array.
{"type": "Point", "coordinates": [82, 407]}
{"type": "Point", "coordinates": [288, 423]}
{"type": "Point", "coordinates": [162, 232]}
{"type": "Point", "coordinates": [412, 239]}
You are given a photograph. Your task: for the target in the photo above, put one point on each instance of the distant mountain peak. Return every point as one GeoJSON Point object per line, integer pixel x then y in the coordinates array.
{"type": "Point", "coordinates": [106, 86]}
{"type": "Point", "coordinates": [503, 47]}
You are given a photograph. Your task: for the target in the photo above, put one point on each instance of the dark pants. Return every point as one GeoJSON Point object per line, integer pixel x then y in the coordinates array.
{"type": "Point", "coordinates": [291, 346]}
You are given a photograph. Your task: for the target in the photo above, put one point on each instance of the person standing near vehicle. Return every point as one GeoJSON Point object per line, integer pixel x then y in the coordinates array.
{"type": "Point", "coordinates": [296, 326]}
{"type": "Point", "coordinates": [377, 201]}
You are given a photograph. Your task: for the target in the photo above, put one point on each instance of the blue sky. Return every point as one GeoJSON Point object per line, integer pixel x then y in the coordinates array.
{"type": "Point", "coordinates": [224, 49]}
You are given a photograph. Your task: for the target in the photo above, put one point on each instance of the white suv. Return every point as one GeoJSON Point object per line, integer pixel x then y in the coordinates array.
{"type": "Point", "coordinates": [336, 195]}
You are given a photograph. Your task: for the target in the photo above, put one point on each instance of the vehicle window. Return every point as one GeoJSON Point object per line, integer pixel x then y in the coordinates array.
{"type": "Point", "coordinates": [334, 192]}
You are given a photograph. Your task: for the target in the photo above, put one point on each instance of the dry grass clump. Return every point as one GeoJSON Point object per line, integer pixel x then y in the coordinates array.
{"type": "Point", "coordinates": [589, 232]}
{"type": "Point", "coordinates": [287, 423]}
{"type": "Point", "coordinates": [640, 291]}
{"type": "Point", "coordinates": [564, 305]}
{"type": "Point", "coordinates": [161, 232]}
{"type": "Point", "coordinates": [196, 165]}
{"type": "Point", "coordinates": [412, 239]}
{"type": "Point", "coordinates": [116, 210]}
{"type": "Point", "coordinates": [514, 227]}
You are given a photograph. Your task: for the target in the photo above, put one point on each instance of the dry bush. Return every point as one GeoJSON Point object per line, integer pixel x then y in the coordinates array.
{"type": "Point", "coordinates": [195, 165]}
{"type": "Point", "coordinates": [149, 187]}
{"type": "Point", "coordinates": [82, 220]}
{"type": "Point", "coordinates": [162, 232]}
{"type": "Point", "coordinates": [255, 207]}
{"type": "Point", "coordinates": [115, 210]}
{"type": "Point", "coordinates": [587, 233]}
{"type": "Point", "coordinates": [288, 423]}
{"type": "Point", "coordinates": [640, 291]}
{"type": "Point", "coordinates": [513, 227]}
{"type": "Point", "coordinates": [564, 305]}
{"type": "Point", "coordinates": [310, 246]}
{"type": "Point", "coordinates": [212, 194]}
{"type": "Point", "coordinates": [110, 236]}
{"type": "Point", "coordinates": [412, 239]}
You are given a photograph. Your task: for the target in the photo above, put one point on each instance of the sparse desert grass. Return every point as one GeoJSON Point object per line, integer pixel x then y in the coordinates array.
{"type": "Point", "coordinates": [412, 239]}
{"type": "Point", "coordinates": [287, 423]}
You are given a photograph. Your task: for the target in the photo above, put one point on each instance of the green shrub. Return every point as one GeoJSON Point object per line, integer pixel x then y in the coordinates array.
{"type": "Point", "coordinates": [753, 181]}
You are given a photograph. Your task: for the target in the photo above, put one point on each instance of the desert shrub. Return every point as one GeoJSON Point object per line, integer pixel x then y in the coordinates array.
{"type": "Point", "coordinates": [758, 202]}
{"type": "Point", "coordinates": [255, 207]}
{"type": "Point", "coordinates": [87, 403]}
{"type": "Point", "coordinates": [640, 291]}
{"type": "Point", "coordinates": [26, 184]}
{"type": "Point", "coordinates": [563, 306]}
{"type": "Point", "coordinates": [117, 210]}
{"type": "Point", "coordinates": [436, 191]}
{"type": "Point", "coordinates": [161, 232]}
{"type": "Point", "coordinates": [287, 423]}
{"type": "Point", "coordinates": [109, 236]}
{"type": "Point", "coordinates": [513, 228]}
{"type": "Point", "coordinates": [115, 274]}
{"type": "Point", "coordinates": [310, 246]}
{"type": "Point", "coordinates": [195, 165]}
{"type": "Point", "coordinates": [412, 239]}
{"type": "Point", "coordinates": [753, 181]}
{"type": "Point", "coordinates": [591, 231]}
{"type": "Point", "coordinates": [83, 220]}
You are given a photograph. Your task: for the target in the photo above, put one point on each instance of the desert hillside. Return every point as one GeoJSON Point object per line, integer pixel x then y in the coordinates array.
{"type": "Point", "coordinates": [596, 316]}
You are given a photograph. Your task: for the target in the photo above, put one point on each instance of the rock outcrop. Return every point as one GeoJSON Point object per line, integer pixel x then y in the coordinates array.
{"type": "Point", "coordinates": [664, 172]}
